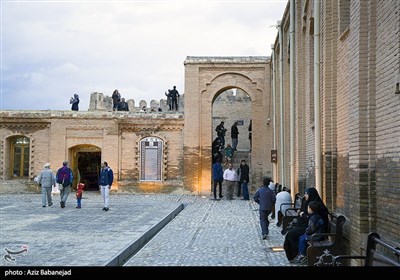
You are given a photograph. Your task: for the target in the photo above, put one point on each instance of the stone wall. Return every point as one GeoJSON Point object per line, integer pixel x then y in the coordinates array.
{"type": "Point", "coordinates": [101, 102]}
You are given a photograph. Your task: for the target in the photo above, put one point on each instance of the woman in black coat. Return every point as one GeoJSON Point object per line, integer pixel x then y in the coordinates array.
{"type": "Point", "coordinates": [291, 244]}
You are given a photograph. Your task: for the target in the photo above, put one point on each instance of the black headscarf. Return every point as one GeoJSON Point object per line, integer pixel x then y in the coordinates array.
{"type": "Point", "coordinates": [314, 196]}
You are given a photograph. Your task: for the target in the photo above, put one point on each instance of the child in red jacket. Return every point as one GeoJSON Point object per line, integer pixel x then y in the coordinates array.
{"type": "Point", "coordinates": [79, 193]}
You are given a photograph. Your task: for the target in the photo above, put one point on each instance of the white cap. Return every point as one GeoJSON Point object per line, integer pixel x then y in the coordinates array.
{"type": "Point", "coordinates": [47, 165]}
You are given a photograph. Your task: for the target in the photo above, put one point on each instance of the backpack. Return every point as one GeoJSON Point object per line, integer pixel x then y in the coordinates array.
{"type": "Point", "coordinates": [64, 176]}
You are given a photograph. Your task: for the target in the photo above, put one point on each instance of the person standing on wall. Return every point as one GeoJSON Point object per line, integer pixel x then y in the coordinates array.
{"type": "Point", "coordinates": [75, 102]}
{"type": "Point", "coordinates": [105, 181]}
{"type": "Point", "coordinates": [116, 97]}
{"type": "Point", "coordinates": [174, 98]}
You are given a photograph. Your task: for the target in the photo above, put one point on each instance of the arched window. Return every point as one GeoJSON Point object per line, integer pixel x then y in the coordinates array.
{"type": "Point", "coordinates": [19, 157]}
{"type": "Point", "coordinates": [151, 150]}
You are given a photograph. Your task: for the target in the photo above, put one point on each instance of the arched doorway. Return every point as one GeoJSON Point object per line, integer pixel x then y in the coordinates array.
{"type": "Point", "coordinates": [205, 79]}
{"type": "Point", "coordinates": [232, 106]}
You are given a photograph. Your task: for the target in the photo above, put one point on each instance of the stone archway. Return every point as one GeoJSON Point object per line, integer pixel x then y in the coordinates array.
{"type": "Point", "coordinates": [205, 78]}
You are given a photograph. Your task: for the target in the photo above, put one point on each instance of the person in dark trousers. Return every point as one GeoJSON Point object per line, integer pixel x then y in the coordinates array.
{"type": "Point", "coordinates": [174, 98]}
{"type": "Point", "coordinates": [297, 229]}
{"type": "Point", "coordinates": [234, 135]}
{"type": "Point", "coordinates": [266, 198]}
{"type": "Point", "coordinates": [105, 182]}
{"type": "Point", "coordinates": [250, 132]}
{"type": "Point", "coordinates": [64, 177]}
{"type": "Point", "coordinates": [215, 148]}
{"type": "Point", "coordinates": [315, 225]}
{"type": "Point", "coordinates": [244, 180]}
{"type": "Point", "coordinates": [116, 97]}
{"type": "Point", "coordinates": [46, 180]}
{"type": "Point", "coordinates": [220, 129]}
{"type": "Point", "coordinates": [218, 174]}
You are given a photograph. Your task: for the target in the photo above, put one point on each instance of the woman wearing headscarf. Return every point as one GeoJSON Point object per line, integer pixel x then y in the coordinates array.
{"type": "Point", "coordinates": [75, 102]}
{"type": "Point", "coordinates": [291, 243]}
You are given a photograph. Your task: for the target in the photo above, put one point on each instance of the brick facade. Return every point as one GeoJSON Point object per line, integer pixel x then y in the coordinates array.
{"type": "Point", "coordinates": [359, 63]}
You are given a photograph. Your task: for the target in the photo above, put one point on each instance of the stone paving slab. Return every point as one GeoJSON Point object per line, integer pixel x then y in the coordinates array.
{"type": "Point", "coordinates": [204, 233]}
{"type": "Point", "coordinates": [213, 233]}
{"type": "Point", "coordinates": [206, 238]}
{"type": "Point", "coordinates": [79, 237]}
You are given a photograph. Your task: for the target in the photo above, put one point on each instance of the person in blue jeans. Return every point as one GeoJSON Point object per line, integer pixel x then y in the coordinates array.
{"type": "Point", "coordinates": [64, 177]}
{"type": "Point", "coordinates": [315, 225]}
{"type": "Point", "coordinates": [106, 179]}
{"type": "Point", "coordinates": [266, 199]}
{"type": "Point", "coordinates": [244, 180]}
{"type": "Point", "coordinates": [218, 177]}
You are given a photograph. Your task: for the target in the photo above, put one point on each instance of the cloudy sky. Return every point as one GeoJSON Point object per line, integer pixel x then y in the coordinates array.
{"type": "Point", "coordinates": [53, 49]}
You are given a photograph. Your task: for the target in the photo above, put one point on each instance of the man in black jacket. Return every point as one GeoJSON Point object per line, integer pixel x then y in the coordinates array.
{"type": "Point", "coordinates": [244, 180]}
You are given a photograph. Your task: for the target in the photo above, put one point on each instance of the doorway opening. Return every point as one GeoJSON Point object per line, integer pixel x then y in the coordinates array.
{"type": "Point", "coordinates": [89, 167]}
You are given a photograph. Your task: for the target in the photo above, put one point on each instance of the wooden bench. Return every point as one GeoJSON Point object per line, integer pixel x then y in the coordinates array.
{"type": "Point", "coordinates": [290, 213]}
{"type": "Point", "coordinates": [378, 253]}
{"type": "Point", "coordinates": [322, 252]}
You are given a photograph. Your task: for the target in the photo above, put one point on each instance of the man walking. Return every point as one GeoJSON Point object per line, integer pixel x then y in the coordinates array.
{"type": "Point", "coordinates": [105, 182]}
{"type": "Point", "coordinates": [266, 198]}
{"type": "Point", "coordinates": [65, 178]}
{"type": "Point", "coordinates": [46, 180]}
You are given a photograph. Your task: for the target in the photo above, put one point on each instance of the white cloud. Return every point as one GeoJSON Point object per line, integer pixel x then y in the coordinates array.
{"type": "Point", "coordinates": [53, 49]}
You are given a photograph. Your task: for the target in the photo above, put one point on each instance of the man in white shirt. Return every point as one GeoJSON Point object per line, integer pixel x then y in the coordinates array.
{"type": "Point", "coordinates": [230, 177]}
{"type": "Point", "coordinates": [282, 197]}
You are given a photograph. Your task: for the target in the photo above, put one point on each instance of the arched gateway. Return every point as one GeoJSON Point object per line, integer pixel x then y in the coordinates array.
{"type": "Point", "coordinates": [205, 79]}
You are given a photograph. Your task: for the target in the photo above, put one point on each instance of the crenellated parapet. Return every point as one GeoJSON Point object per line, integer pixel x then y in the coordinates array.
{"type": "Point", "coordinates": [101, 102]}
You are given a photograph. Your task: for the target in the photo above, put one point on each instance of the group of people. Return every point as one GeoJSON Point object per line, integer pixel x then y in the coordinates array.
{"type": "Point", "coordinates": [219, 151]}
{"type": "Point", "coordinates": [312, 217]}
{"type": "Point", "coordinates": [119, 104]}
{"type": "Point", "coordinates": [64, 178]}
{"type": "Point", "coordinates": [172, 98]}
{"type": "Point", "coordinates": [221, 132]}
{"type": "Point", "coordinates": [232, 178]}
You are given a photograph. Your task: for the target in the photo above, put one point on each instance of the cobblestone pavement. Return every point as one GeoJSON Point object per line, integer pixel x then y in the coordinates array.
{"type": "Point", "coordinates": [204, 233]}
{"type": "Point", "coordinates": [213, 233]}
